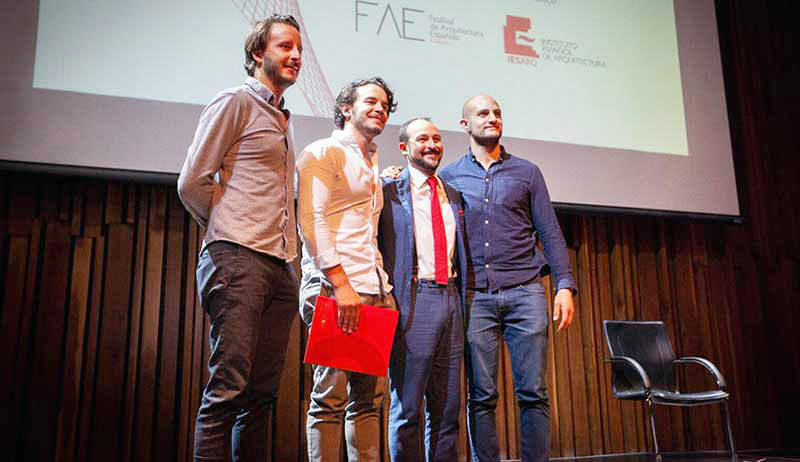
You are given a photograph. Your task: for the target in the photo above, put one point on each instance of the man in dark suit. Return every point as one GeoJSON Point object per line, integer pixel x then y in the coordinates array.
{"type": "Point", "coordinates": [421, 240]}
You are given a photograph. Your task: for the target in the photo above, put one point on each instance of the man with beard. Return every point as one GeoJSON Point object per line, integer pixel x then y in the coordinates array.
{"type": "Point", "coordinates": [421, 241]}
{"type": "Point", "coordinates": [507, 205]}
{"type": "Point", "coordinates": [339, 203]}
{"type": "Point", "coordinates": [237, 183]}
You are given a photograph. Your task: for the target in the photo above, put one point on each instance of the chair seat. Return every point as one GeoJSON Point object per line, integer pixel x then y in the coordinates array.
{"type": "Point", "coordinates": [688, 399]}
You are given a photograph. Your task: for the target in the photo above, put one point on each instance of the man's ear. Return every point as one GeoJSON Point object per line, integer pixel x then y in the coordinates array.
{"type": "Point", "coordinates": [404, 148]}
{"type": "Point", "coordinates": [347, 111]}
{"type": "Point", "coordinates": [464, 124]}
{"type": "Point", "coordinates": [258, 57]}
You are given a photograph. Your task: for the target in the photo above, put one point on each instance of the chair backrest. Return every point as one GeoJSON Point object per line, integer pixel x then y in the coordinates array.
{"type": "Point", "coordinates": [646, 342]}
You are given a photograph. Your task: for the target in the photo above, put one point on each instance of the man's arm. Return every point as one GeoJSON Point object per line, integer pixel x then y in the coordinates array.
{"type": "Point", "coordinates": [555, 250]}
{"type": "Point", "coordinates": [317, 173]}
{"type": "Point", "coordinates": [217, 130]}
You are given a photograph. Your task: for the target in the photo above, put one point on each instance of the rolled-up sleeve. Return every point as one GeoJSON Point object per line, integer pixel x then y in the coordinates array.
{"type": "Point", "coordinates": [316, 178]}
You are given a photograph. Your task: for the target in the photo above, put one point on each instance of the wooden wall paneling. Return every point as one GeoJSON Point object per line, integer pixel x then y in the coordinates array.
{"type": "Point", "coordinates": [25, 326]}
{"type": "Point", "coordinates": [552, 385]}
{"type": "Point", "coordinates": [75, 329]}
{"type": "Point", "coordinates": [561, 367]}
{"type": "Point", "coordinates": [89, 372]}
{"type": "Point", "coordinates": [47, 200]}
{"type": "Point", "coordinates": [130, 403]}
{"type": "Point", "coordinates": [114, 208]}
{"type": "Point", "coordinates": [685, 318]}
{"type": "Point", "coordinates": [725, 347]}
{"type": "Point", "coordinates": [629, 262]}
{"type": "Point", "coordinates": [605, 300]}
{"type": "Point", "coordinates": [756, 332]}
{"type": "Point", "coordinates": [509, 402]}
{"type": "Point", "coordinates": [189, 369]}
{"type": "Point", "coordinates": [579, 389]}
{"type": "Point", "coordinates": [150, 320]}
{"type": "Point", "coordinates": [132, 214]}
{"type": "Point", "coordinates": [199, 345]}
{"type": "Point", "coordinates": [65, 201]}
{"type": "Point", "coordinates": [170, 331]}
{"type": "Point", "coordinates": [12, 331]}
{"type": "Point", "coordinates": [669, 421]}
{"type": "Point", "coordinates": [588, 325]}
{"type": "Point", "coordinates": [649, 302]}
{"type": "Point", "coordinates": [112, 344]}
{"type": "Point", "coordinates": [288, 420]}
{"type": "Point", "coordinates": [5, 186]}
{"type": "Point", "coordinates": [21, 206]}
{"type": "Point", "coordinates": [76, 196]}
{"type": "Point", "coordinates": [46, 349]}
{"type": "Point", "coordinates": [620, 299]}
{"type": "Point", "coordinates": [701, 268]}
{"type": "Point", "coordinates": [594, 305]}
{"type": "Point", "coordinates": [93, 212]}
{"type": "Point", "coordinates": [503, 408]}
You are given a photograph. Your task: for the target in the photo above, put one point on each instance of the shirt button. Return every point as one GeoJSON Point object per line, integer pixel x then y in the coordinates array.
{"type": "Point", "coordinates": [486, 221]}
{"type": "Point", "coordinates": [487, 179]}
{"type": "Point", "coordinates": [487, 265]}
{"type": "Point", "coordinates": [486, 244]}
{"type": "Point", "coordinates": [486, 200]}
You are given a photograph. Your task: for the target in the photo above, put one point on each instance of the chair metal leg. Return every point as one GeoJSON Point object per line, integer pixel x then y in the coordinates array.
{"type": "Point", "coordinates": [728, 427]}
{"type": "Point", "coordinates": [653, 429]}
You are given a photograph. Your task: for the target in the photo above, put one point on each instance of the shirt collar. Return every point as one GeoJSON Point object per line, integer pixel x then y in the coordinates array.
{"type": "Point", "coordinates": [501, 158]}
{"type": "Point", "coordinates": [350, 140]}
{"type": "Point", "coordinates": [418, 179]}
{"type": "Point", "coordinates": [263, 91]}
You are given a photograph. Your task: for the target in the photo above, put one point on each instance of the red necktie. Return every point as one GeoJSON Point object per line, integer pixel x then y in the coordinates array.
{"type": "Point", "coordinates": [439, 237]}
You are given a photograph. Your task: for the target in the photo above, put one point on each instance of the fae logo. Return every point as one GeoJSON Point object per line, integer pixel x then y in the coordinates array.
{"type": "Point", "coordinates": [513, 25]}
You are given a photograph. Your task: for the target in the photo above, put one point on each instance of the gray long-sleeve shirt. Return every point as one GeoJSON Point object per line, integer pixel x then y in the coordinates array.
{"type": "Point", "coordinates": [237, 180]}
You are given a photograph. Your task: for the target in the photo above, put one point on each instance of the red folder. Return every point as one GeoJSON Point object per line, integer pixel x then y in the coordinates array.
{"type": "Point", "coordinates": [366, 350]}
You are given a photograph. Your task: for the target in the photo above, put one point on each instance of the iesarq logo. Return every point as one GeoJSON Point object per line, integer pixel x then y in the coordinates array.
{"type": "Point", "coordinates": [515, 24]}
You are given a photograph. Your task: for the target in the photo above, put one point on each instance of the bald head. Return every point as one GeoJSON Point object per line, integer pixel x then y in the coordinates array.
{"type": "Point", "coordinates": [482, 120]}
{"type": "Point", "coordinates": [472, 103]}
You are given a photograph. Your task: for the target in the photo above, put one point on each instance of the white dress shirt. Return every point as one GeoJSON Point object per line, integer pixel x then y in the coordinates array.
{"type": "Point", "coordinates": [339, 204]}
{"type": "Point", "coordinates": [423, 225]}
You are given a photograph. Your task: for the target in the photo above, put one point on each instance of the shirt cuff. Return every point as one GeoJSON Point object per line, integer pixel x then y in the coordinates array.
{"type": "Point", "coordinates": [327, 259]}
{"type": "Point", "coordinates": [566, 283]}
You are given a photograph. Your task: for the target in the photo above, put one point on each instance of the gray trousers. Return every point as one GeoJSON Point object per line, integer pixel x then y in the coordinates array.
{"type": "Point", "coordinates": [342, 397]}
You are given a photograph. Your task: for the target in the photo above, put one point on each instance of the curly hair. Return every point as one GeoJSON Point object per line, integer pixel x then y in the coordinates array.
{"type": "Point", "coordinates": [349, 94]}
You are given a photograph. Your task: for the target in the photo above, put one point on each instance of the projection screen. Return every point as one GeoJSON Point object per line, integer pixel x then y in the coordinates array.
{"type": "Point", "coordinates": [620, 102]}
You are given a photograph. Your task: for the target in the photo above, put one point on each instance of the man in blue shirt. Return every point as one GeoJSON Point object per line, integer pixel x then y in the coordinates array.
{"type": "Point", "coordinates": [507, 207]}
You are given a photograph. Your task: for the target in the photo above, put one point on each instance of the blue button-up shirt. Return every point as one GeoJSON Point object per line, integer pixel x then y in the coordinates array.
{"type": "Point", "coordinates": [506, 207]}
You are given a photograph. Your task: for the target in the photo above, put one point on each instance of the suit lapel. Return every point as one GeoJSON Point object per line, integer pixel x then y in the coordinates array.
{"type": "Point", "coordinates": [404, 194]}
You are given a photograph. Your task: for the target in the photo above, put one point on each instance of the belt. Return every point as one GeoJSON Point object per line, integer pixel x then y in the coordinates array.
{"type": "Point", "coordinates": [430, 282]}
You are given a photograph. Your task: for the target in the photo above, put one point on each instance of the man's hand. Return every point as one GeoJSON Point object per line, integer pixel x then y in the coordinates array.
{"type": "Point", "coordinates": [563, 308]}
{"type": "Point", "coordinates": [392, 171]}
{"type": "Point", "coordinates": [349, 303]}
{"type": "Point", "coordinates": [347, 299]}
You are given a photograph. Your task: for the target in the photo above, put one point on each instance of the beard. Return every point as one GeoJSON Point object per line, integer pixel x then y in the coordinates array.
{"type": "Point", "coordinates": [487, 140]}
{"type": "Point", "coordinates": [272, 70]}
{"type": "Point", "coordinates": [423, 166]}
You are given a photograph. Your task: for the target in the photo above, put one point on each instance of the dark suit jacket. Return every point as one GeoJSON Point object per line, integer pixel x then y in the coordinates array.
{"type": "Point", "coordinates": [396, 238]}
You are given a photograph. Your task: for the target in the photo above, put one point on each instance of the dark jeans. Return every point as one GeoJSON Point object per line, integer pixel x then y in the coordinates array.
{"type": "Point", "coordinates": [425, 376]}
{"type": "Point", "coordinates": [519, 314]}
{"type": "Point", "coordinates": [251, 299]}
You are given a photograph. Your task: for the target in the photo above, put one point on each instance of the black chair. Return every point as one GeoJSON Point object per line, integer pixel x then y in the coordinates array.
{"type": "Point", "coordinates": [643, 368]}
